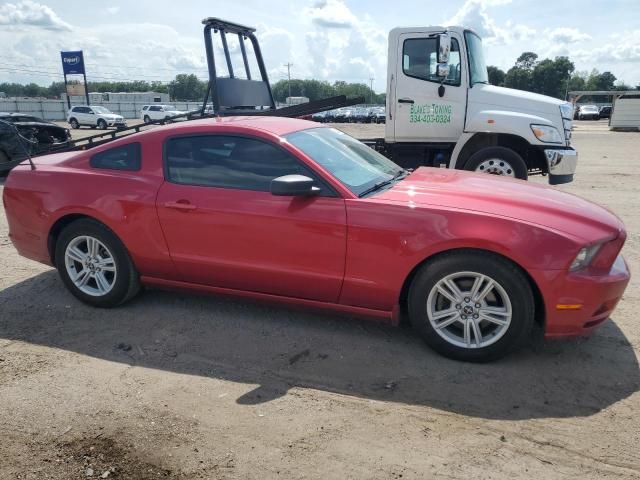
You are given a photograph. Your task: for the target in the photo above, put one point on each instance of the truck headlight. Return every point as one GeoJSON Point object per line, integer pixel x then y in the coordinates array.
{"type": "Point", "coordinates": [584, 257]}
{"type": "Point", "coordinates": [546, 133]}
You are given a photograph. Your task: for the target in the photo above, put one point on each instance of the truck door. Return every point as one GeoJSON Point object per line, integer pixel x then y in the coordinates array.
{"type": "Point", "coordinates": [419, 114]}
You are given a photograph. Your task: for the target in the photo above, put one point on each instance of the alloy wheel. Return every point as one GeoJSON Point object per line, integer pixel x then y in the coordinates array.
{"type": "Point", "coordinates": [90, 266]}
{"type": "Point", "coordinates": [469, 309]}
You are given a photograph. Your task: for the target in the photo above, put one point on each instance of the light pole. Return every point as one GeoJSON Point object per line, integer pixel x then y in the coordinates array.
{"type": "Point", "coordinates": [289, 65]}
{"type": "Point", "coordinates": [371, 93]}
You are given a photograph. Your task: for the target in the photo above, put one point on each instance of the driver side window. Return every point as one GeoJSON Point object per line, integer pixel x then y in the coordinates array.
{"type": "Point", "coordinates": [419, 60]}
{"type": "Point", "coordinates": [231, 162]}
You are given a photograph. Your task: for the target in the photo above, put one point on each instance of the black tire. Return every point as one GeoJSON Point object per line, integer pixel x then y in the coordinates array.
{"type": "Point", "coordinates": [511, 279]}
{"type": "Point", "coordinates": [74, 123]}
{"type": "Point", "coordinates": [507, 159]}
{"type": "Point", "coordinates": [147, 119]}
{"type": "Point", "coordinates": [102, 125]}
{"type": "Point", "coordinates": [127, 283]}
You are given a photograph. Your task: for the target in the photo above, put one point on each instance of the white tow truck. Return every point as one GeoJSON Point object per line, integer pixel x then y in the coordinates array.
{"type": "Point", "coordinates": [441, 111]}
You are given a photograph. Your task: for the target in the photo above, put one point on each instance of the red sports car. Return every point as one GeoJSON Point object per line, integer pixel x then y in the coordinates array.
{"type": "Point", "coordinates": [281, 209]}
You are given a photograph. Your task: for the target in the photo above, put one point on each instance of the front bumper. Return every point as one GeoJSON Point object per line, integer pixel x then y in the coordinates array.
{"type": "Point", "coordinates": [117, 123]}
{"type": "Point", "coordinates": [596, 296]}
{"type": "Point", "coordinates": [562, 165]}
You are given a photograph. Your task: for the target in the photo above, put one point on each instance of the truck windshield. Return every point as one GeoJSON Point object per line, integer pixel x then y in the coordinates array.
{"type": "Point", "coordinates": [477, 65]}
{"type": "Point", "coordinates": [356, 166]}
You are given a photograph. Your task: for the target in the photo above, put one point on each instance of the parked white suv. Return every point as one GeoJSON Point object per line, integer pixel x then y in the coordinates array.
{"type": "Point", "coordinates": [159, 112]}
{"type": "Point", "coordinates": [94, 116]}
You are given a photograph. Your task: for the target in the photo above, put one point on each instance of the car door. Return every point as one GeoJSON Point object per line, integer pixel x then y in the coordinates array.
{"type": "Point", "coordinates": [155, 112]}
{"type": "Point", "coordinates": [224, 228]}
{"type": "Point", "coordinates": [89, 116]}
{"type": "Point", "coordinates": [419, 113]}
{"type": "Point", "coordinates": [81, 115]}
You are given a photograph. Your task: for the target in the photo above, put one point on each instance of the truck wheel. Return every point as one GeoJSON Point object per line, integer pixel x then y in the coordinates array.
{"type": "Point", "coordinates": [498, 161]}
{"type": "Point", "coordinates": [472, 306]}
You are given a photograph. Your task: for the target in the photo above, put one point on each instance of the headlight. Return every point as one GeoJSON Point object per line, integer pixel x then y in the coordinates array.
{"type": "Point", "coordinates": [566, 110]}
{"type": "Point", "coordinates": [584, 257]}
{"type": "Point", "coordinates": [546, 134]}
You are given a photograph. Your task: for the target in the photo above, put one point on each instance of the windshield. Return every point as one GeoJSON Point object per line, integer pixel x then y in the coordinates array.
{"type": "Point", "coordinates": [477, 65]}
{"type": "Point", "coordinates": [355, 165]}
{"type": "Point", "coordinates": [100, 109]}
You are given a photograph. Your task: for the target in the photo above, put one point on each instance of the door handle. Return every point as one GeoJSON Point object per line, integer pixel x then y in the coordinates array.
{"type": "Point", "coordinates": [180, 205]}
{"type": "Point", "coordinates": [406, 100]}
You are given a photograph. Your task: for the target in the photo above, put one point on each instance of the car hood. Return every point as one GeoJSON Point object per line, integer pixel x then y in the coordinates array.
{"type": "Point", "coordinates": [111, 116]}
{"type": "Point", "coordinates": [513, 100]}
{"type": "Point", "coordinates": [505, 197]}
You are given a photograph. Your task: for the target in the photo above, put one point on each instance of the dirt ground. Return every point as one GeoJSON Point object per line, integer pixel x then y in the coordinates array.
{"type": "Point", "coordinates": [179, 386]}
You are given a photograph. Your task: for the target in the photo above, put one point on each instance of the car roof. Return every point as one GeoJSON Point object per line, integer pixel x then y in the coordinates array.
{"type": "Point", "coordinates": [274, 125]}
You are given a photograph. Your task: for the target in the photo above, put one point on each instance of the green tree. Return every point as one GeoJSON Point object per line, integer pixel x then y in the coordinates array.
{"type": "Point", "coordinates": [527, 61]}
{"type": "Point", "coordinates": [551, 77]}
{"type": "Point", "coordinates": [518, 78]}
{"type": "Point", "coordinates": [187, 87]}
{"type": "Point", "coordinates": [496, 75]}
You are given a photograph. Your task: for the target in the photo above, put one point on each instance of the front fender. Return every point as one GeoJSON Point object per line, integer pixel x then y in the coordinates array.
{"type": "Point", "coordinates": [512, 123]}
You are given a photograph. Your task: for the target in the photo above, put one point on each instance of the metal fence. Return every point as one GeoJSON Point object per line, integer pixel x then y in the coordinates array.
{"type": "Point", "coordinates": [56, 110]}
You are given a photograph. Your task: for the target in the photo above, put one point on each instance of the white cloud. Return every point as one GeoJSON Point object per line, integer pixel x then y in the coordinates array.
{"type": "Point", "coordinates": [475, 14]}
{"type": "Point", "coordinates": [566, 35]}
{"type": "Point", "coordinates": [331, 14]}
{"type": "Point", "coordinates": [28, 13]}
{"type": "Point", "coordinates": [340, 45]}
{"type": "Point", "coordinates": [112, 10]}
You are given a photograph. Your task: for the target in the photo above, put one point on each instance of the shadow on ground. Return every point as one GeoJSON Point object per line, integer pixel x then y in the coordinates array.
{"type": "Point", "coordinates": [280, 348]}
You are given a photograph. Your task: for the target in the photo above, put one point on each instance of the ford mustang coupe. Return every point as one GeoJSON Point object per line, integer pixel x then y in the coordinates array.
{"type": "Point", "coordinates": [281, 209]}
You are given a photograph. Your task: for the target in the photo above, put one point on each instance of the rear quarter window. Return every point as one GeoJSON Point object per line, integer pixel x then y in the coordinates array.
{"type": "Point", "coordinates": [126, 157]}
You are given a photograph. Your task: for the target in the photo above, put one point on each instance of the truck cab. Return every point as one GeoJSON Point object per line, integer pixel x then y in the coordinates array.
{"type": "Point", "coordinates": [442, 111]}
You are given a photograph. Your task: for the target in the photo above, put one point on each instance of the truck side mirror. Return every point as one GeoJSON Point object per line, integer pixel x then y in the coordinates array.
{"type": "Point", "coordinates": [444, 47]}
{"type": "Point", "coordinates": [442, 70]}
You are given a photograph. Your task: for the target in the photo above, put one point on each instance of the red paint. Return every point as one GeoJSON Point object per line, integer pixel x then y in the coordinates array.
{"type": "Point", "coordinates": [347, 254]}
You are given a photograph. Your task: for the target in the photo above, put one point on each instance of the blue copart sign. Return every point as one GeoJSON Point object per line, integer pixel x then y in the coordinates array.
{"type": "Point", "coordinates": [72, 63]}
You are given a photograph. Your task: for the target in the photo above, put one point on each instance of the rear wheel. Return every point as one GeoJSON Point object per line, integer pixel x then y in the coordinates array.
{"type": "Point", "coordinates": [74, 123]}
{"type": "Point", "coordinates": [498, 161]}
{"type": "Point", "coordinates": [471, 306]}
{"type": "Point", "coordinates": [94, 264]}
{"type": "Point", "coordinates": [147, 119]}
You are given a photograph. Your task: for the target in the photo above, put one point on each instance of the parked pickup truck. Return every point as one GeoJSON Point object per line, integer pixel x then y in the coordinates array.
{"type": "Point", "coordinates": [441, 111]}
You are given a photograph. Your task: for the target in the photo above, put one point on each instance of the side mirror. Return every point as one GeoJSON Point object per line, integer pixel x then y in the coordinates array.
{"type": "Point", "coordinates": [444, 47]}
{"type": "Point", "coordinates": [293, 186]}
{"type": "Point", "coordinates": [442, 70]}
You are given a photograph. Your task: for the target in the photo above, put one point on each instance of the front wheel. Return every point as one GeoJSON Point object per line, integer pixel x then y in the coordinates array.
{"type": "Point", "coordinates": [471, 306]}
{"type": "Point", "coordinates": [498, 161]}
{"type": "Point", "coordinates": [94, 264]}
{"type": "Point", "coordinates": [102, 125]}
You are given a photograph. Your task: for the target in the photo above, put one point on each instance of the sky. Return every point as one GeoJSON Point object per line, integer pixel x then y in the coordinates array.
{"type": "Point", "coordinates": [323, 39]}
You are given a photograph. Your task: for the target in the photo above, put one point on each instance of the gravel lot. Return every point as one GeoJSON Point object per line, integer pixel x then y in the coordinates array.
{"type": "Point", "coordinates": [184, 387]}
